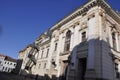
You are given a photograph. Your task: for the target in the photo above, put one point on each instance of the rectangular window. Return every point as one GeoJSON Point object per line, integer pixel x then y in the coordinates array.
{"type": "Point", "coordinates": [42, 54]}
{"type": "Point", "coordinates": [6, 69]}
{"type": "Point", "coordinates": [83, 36]}
{"type": "Point", "coordinates": [10, 63]}
{"type": "Point", "coordinates": [44, 65]}
{"type": "Point", "coordinates": [55, 46]}
{"type": "Point", "coordinates": [47, 53]}
{"type": "Point", "coordinates": [3, 69]}
{"type": "Point", "coordinates": [117, 72]}
{"type": "Point", "coordinates": [114, 40]}
{"type": "Point", "coordinates": [39, 65]}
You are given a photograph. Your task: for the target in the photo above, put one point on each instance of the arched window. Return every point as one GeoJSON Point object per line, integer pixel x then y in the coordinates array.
{"type": "Point", "coordinates": [67, 40]}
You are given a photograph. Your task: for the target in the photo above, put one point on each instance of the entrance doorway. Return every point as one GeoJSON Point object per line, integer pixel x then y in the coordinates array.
{"type": "Point", "coordinates": [82, 68]}
{"type": "Point", "coordinates": [64, 70]}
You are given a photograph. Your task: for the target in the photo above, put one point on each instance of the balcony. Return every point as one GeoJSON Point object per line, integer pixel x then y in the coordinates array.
{"type": "Point", "coordinates": [28, 65]}
{"type": "Point", "coordinates": [65, 53]}
{"type": "Point", "coordinates": [115, 53]}
{"type": "Point", "coordinates": [32, 58]}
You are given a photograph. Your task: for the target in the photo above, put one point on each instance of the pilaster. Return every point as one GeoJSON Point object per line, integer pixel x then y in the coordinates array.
{"type": "Point", "coordinates": [50, 53]}
{"type": "Point", "coordinates": [91, 39]}
{"type": "Point", "coordinates": [75, 43]}
{"type": "Point", "coordinates": [117, 41]}
{"type": "Point", "coordinates": [59, 49]}
{"type": "Point", "coordinates": [93, 45]}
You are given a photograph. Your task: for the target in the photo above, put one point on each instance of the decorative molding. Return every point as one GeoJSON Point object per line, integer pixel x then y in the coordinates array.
{"type": "Point", "coordinates": [63, 37]}
{"type": "Point", "coordinates": [76, 23]}
{"type": "Point", "coordinates": [84, 24]}
{"type": "Point", "coordinates": [82, 10]}
{"type": "Point", "coordinates": [91, 16]}
{"type": "Point", "coordinates": [78, 12]}
{"type": "Point", "coordinates": [61, 32]}
{"type": "Point", "coordinates": [101, 13]}
{"type": "Point", "coordinates": [109, 11]}
{"type": "Point", "coordinates": [56, 40]}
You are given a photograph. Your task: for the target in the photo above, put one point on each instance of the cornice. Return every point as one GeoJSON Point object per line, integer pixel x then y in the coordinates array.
{"type": "Point", "coordinates": [111, 12]}
{"type": "Point", "coordinates": [84, 8]}
{"type": "Point", "coordinates": [44, 43]}
{"type": "Point", "coordinates": [25, 48]}
{"type": "Point", "coordinates": [81, 10]}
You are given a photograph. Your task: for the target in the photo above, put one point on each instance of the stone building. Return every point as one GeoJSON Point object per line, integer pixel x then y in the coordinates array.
{"type": "Point", "coordinates": [85, 45]}
{"type": "Point", "coordinates": [7, 64]}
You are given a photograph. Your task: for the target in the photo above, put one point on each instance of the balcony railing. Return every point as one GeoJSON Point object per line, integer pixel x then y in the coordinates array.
{"type": "Point", "coordinates": [27, 66]}
{"type": "Point", "coordinates": [115, 53]}
{"type": "Point", "coordinates": [65, 53]}
{"type": "Point", "coordinates": [32, 58]}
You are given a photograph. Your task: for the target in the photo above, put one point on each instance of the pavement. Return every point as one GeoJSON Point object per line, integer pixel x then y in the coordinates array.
{"type": "Point", "coordinates": [10, 76]}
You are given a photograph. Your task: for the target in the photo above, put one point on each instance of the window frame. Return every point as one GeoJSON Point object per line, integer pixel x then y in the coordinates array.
{"type": "Point", "coordinates": [67, 41]}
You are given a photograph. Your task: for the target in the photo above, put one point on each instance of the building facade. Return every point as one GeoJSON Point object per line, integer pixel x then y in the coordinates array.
{"type": "Point", "coordinates": [85, 45]}
{"type": "Point", "coordinates": [7, 64]}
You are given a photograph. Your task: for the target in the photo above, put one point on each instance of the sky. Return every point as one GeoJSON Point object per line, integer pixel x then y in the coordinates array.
{"type": "Point", "coordinates": [22, 21]}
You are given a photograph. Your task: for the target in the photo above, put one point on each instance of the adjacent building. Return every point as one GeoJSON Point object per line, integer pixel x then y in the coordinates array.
{"type": "Point", "coordinates": [7, 64]}
{"type": "Point", "coordinates": [85, 45]}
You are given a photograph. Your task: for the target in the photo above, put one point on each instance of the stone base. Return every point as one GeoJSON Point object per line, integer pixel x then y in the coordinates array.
{"type": "Point", "coordinates": [90, 75]}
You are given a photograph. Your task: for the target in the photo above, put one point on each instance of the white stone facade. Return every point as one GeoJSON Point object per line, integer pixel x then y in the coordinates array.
{"type": "Point", "coordinates": [7, 64]}
{"type": "Point", "coordinates": [83, 46]}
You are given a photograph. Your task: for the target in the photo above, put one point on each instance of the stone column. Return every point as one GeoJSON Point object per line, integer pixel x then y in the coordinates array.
{"type": "Point", "coordinates": [119, 67]}
{"type": "Point", "coordinates": [72, 39]}
{"type": "Point", "coordinates": [110, 37]}
{"type": "Point", "coordinates": [117, 41]}
{"type": "Point", "coordinates": [50, 53]}
{"type": "Point", "coordinates": [91, 40]}
{"type": "Point", "coordinates": [59, 49]}
{"type": "Point", "coordinates": [75, 43]}
{"type": "Point", "coordinates": [94, 25]}
{"type": "Point", "coordinates": [63, 42]}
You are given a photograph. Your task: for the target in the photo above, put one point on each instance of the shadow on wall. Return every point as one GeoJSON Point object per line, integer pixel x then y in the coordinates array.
{"type": "Point", "coordinates": [94, 53]}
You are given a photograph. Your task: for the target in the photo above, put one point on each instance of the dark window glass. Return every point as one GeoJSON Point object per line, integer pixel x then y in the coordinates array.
{"type": "Point", "coordinates": [39, 65]}
{"type": "Point", "coordinates": [55, 46]}
{"type": "Point", "coordinates": [83, 36]}
{"type": "Point", "coordinates": [117, 72]}
{"type": "Point", "coordinates": [114, 40]}
{"type": "Point", "coordinates": [6, 69]}
{"type": "Point", "coordinates": [67, 40]}
{"type": "Point", "coordinates": [10, 63]}
{"type": "Point", "coordinates": [47, 52]}
{"type": "Point", "coordinates": [2, 68]}
{"type": "Point", "coordinates": [45, 65]}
